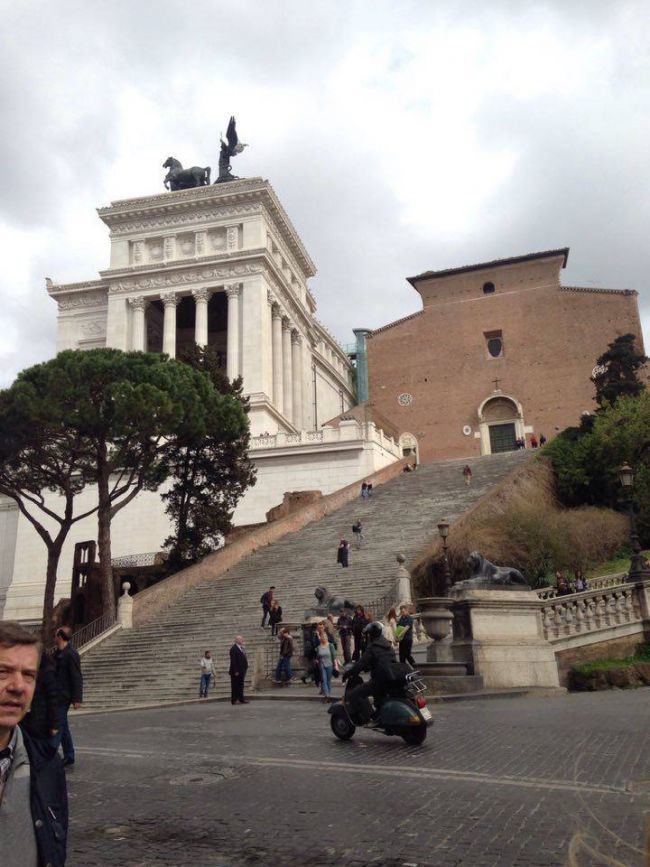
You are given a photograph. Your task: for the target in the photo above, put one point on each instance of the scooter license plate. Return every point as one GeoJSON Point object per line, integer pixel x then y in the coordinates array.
{"type": "Point", "coordinates": [426, 715]}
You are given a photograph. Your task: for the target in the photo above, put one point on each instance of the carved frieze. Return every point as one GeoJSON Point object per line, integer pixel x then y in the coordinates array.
{"type": "Point", "coordinates": [93, 328]}
{"type": "Point", "coordinates": [87, 299]}
{"type": "Point", "coordinates": [167, 221]}
{"type": "Point", "coordinates": [181, 278]}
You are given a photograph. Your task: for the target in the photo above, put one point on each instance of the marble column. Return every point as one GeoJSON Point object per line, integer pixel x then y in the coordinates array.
{"type": "Point", "coordinates": [169, 300]}
{"type": "Point", "coordinates": [276, 332]}
{"type": "Point", "coordinates": [201, 298]}
{"type": "Point", "coordinates": [287, 387]}
{"type": "Point", "coordinates": [233, 291]}
{"type": "Point", "coordinates": [296, 365]}
{"type": "Point", "coordinates": [138, 305]}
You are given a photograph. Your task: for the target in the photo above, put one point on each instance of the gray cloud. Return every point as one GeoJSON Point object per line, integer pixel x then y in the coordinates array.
{"type": "Point", "coordinates": [369, 143]}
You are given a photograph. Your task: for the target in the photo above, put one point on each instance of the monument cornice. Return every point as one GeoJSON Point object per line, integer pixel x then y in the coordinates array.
{"type": "Point", "coordinates": [68, 296]}
{"type": "Point", "coordinates": [182, 206]}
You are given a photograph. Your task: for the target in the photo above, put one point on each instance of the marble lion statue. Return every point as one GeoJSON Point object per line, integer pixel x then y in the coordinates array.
{"type": "Point", "coordinates": [487, 575]}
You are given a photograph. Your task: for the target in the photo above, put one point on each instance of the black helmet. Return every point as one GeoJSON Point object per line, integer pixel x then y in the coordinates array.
{"type": "Point", "coordinates": [373, 631]}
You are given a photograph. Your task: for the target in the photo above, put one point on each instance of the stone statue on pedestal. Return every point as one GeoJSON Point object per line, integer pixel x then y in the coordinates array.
{"type": "Point", "coordinates": [403, 583]}
{"type": "Point", "coordinates": [229, 148]}
{"type": "Point", "coordinates": [179, 178]}
{"type": "Point", "coordinates": [328, 604]}
{"type": "Point", "coordinates": [487, 576]}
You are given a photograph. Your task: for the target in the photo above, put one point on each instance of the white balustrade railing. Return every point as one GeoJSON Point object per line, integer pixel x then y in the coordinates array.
{"type": "Point", "coordinates": [600, 583]}
{"type": "Point", "coordinates": [590, 611]}
{"type": "Point", "coordinates": [347, 431]}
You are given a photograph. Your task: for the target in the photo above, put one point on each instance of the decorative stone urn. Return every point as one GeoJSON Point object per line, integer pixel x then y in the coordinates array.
{"type": "Point", "coordinates": [435, 616]}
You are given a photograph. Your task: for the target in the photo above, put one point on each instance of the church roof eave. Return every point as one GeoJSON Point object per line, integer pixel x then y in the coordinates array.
{"type": "Point", "coordinates": [495, 263]}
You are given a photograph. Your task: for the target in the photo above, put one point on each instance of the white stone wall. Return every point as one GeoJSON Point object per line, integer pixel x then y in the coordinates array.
{"type": "Point", "coordinates": [325, 461]}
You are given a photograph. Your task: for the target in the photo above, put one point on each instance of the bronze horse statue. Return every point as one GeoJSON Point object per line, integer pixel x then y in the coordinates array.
{"type": "Point", "coordinates": [179, 178]}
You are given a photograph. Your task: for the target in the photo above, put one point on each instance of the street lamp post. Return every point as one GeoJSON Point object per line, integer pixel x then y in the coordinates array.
{"type": "Point", "coordinates": [443, 529]}
{"type": "Point", "coordinates": [637, 563]}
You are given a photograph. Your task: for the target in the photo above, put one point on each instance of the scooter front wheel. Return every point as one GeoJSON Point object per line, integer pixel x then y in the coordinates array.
{"type": "Point", "coordinates": [341, 726]}
{"type": "Point", "coordinates": [416, 737]}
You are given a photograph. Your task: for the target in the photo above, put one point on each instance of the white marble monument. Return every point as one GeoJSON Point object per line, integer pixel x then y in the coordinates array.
{"type": "Point", "coordinates": [222, 266]}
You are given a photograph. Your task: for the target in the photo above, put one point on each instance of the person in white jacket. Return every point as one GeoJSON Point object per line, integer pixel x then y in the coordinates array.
{"type": "Point", "coordinates": [207, 671]}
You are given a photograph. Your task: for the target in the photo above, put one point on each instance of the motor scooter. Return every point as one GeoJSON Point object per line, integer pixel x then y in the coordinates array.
{"type": "Point", "coordinates": [403, 712]}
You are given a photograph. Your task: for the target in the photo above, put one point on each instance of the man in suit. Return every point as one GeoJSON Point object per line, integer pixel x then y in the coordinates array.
{"type": "Point", "coordinates": [237, 671]}
{"type": "Point", "coordinates": [70, 685]}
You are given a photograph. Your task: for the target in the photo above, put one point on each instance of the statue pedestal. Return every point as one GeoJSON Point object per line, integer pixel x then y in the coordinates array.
{"type": "Point", "coordinates": [498, 635]}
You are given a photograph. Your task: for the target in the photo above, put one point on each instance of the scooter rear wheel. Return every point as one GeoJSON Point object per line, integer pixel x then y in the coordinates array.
{"type": "Point", "coordinates": [342, 727]}
{"type": "Point", "coordinates": [416, 737]}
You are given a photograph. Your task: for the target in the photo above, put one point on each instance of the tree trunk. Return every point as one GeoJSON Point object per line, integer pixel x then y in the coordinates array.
{"type": "Point", "coordinates": [53, 555]}
{"type": "Point", "coordinates": [104, 532]}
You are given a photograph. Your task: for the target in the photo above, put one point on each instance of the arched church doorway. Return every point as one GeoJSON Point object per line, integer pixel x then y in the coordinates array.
{"type": "Point", "coordinates": [409, 446]}
{"type": "Point", "coordinates": [501, 424]}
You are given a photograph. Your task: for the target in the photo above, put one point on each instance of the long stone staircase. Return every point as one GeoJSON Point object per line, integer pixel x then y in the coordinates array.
{"type": "Point", "coordinates": [158, 661]}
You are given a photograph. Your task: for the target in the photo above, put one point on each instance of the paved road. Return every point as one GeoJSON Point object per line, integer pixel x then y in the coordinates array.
{"type": "Point", "coordinates": [503, 782]}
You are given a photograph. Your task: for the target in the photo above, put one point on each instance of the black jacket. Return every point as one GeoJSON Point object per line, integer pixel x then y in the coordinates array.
{"type": "Point", "coordinates": [376, 659]}
{"type": "Point", "coordinates": [48, 801]}
{"type": "Point", "coordinates": [68, 675]}
{"type": "Point", "coordinates": [43, 714]}
{"type": "Point", "coordinates": [238, 662]}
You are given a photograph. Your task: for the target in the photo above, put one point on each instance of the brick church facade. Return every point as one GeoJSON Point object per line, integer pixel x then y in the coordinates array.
{"type": "Point", "coordinates": [500, 350]}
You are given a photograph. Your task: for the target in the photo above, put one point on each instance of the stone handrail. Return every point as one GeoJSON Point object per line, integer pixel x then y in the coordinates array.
{"type": "Point", "coordinates": [600, 583]}
{"type": "Point", "coordinates": [593, 610]}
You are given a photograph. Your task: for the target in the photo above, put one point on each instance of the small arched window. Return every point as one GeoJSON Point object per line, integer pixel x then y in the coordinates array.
{"type": "Point", "coordinates": [488, 288]}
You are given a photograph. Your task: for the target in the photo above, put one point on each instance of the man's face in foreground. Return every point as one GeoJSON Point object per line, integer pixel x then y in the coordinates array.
{"type": "Point", "coordinates": [18, 668]}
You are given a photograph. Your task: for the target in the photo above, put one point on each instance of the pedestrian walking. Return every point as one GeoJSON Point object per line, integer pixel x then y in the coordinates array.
{"type": "Point", "coordinates": [33, 796]}
{"type": "Point", "coordinates": [364, 490]}
{"type": "Point", "coordinates": [69, 683]}
{"type": "Point", "coordinates": [208, 672]}
{"type": "Point", "coordinates": [326, 652]}
{"type": "Point", "coordinates": [581, 584]}
{"type": "Point", "coordinates": [283, 672]}
{"type": "Point", "coordinates": [343, 553]}
{"type": "Point", "coordinates": [344, 629]}
{"type": "Point", "coordinates": [357, 530]}
{"type": "Point", "coordinates": [390, 626]}
{"type": "Point", "coordinates": [310, 642]}
{"type": "Point", "coordinates": [42, 721]}
{"type": "Point", "coordinates": [542, 440]}
{"type": "Point", "coordinates": [467, 474]}
{"type": "Point", "coordinates": [266, 600]}
{"type": "Point", "coordinates": [533, 441]}
{"type": "Point", "coordinates": [237, 671]}
{"type": "Point", "coordinates": [275, 616]}
{"type": "Point", "coordinates": [359, 623]}
{"type": "Point", "coordinates": [404, 632]}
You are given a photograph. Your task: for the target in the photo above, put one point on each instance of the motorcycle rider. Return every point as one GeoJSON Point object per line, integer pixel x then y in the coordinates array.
{"type": "Point", "coordinates": [377, 659]}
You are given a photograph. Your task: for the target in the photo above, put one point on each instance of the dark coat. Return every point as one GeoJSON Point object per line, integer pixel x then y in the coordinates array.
{"type": "Point", "coordinates": [275, 615]}
{"type": "Point", "coordinates": [68, 675]}
{"type": "Point", "coordinates": [43, 715]}
{"type": "Point", "coordinates": [48, 801]}
{"type": "Point", "coordinates": [286, 646]}
{"type": "Point", "coordinates": [343, 554]}
{"type": "Point", "coordinates": [238, 662]}
{"type": "Point", "coordinates": [376, 658]}
{"type": "Point", "coordinates": [359, 623]}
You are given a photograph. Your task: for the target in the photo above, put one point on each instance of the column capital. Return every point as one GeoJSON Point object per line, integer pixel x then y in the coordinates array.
{"type": "Point", "coordinates": [232, 290]}
{"type": "Point", "coordinates": [270, 297]}
{"type": "Point", "coordinates": [286, 323]}
{"type": "Point", "coordinates": [170, 299]}
{"type": "Point", "coordinates": [201, 294]}
{"type": "Point", "coordinates": [138, 303]}
{"type": "Point", "coordinates": [296, 337]}
{"type": "Point", "coordinates": [276, 310]}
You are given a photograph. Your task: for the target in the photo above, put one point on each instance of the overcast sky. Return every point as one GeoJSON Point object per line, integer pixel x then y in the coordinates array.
{"type": "Point", "coordinates": [400, 137]}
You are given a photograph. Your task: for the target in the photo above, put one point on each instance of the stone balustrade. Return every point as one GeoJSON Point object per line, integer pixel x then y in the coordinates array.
{"type": "Point", "coordinates": [600, 583]}
{"type": "Point", "coordinates": [346, 432]}
{"type": "Point", "coordinates": [594, 610]}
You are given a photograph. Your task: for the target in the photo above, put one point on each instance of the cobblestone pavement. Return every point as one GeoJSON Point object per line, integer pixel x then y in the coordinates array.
{"type": "Point", "coordinates": [498, 783]}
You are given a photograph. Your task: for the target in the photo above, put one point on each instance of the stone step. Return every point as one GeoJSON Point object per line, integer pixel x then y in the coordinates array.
{"type": "Point", "coordinates": [158, 661]}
